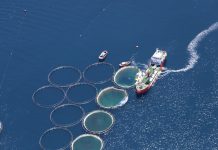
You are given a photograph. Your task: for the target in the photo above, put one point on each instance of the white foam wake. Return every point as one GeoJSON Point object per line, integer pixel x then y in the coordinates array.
{"type": "Point", "coordinates": [139, 65]}
{"type": "Point", "coordinates": [192, 49]}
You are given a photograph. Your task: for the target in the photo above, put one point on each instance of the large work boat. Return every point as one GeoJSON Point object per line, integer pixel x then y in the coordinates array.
{"type": "Point", "coordinates": [146, 78]}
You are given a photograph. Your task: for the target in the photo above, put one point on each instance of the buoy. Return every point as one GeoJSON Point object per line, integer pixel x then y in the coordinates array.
{"type": "Point", "coordinates": [1, 126]}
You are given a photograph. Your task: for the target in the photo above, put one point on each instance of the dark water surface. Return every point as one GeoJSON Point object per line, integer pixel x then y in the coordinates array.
{"type": "Point", "coordinates": [179, 112]}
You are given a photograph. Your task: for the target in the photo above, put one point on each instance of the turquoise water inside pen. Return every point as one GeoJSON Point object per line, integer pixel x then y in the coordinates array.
{"type": "Point", "coordinates": [179, 112]}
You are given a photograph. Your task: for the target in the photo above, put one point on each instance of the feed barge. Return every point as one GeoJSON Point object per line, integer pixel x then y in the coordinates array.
{"type": "Point", "coordinates": [145, 79]}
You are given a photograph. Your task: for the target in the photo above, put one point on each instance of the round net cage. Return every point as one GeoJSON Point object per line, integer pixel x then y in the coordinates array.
{"type": "Point", "coordinates": [67, 115]}
{"type": "Point", "coordinates": [111, 98]}
{"type": "Point", "coordinates": [125, 77]}
{"type": "Point", "coordinates": [75, 94]}
{"type": "Point", "coordinates": [87, 142]}
{"type": "Point", "coordinates": [64, 76]}
{"type": "Point", "coordinates": [98, 73]}
{"type": "Point", "coordinates": [56, 139]}
{"type": "Point", "coordinates": [98, 122]}
{"type": "Point", "coordinates": [48, 96]}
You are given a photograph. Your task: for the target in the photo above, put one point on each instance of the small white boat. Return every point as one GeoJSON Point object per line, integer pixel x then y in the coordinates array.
{"type": "Point", "coordinates": [1, 126]}
{"type": "Point", "coordinates": [125, 63]}
{"type": "Point", "coordinates": [103, 55]}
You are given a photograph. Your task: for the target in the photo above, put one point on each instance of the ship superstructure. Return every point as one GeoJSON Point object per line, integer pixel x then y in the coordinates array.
{"type": "Point", "coordinates": [146, 78]}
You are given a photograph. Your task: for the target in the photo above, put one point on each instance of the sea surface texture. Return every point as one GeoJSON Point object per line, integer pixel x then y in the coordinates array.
{"type": "Point", "coordinates": [180, 112]}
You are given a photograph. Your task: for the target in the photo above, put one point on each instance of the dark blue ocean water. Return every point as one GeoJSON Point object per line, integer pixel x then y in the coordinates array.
{"type": "Point", "coordinates": [179, 112]}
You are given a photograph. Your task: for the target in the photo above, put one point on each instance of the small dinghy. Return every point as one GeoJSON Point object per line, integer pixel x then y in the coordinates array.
{"type": "Point", "coordinates": [124, 64]}
{"type": "Point", "coordinates": [103, 55]}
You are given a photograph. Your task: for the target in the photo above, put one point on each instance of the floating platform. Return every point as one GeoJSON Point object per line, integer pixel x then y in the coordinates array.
{"type": "Point", "coordinates": [111, 98]}
{"type": "Point", "coordinates": [125, 77]}
{"type": "Point", "coordinates": [87, 142]}
{"type": "Point", "coordinates": [98, 121]}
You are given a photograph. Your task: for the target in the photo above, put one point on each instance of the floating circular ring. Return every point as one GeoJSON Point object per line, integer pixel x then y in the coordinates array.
{"type": "Point", "coordinates": [48, 87]}
{"type": "Point", "coordinates": [81, 93]}
{"type": "Point", "coordinates": [85, 141]}
{"type": "Point", "coordinates": [98, 121]}
{"type": "Point", "coordinates": [67, 83]}
{"type": "Point", "coordinates": [67, 124]}
{"type": "Point", "coordinates": [125, 77]}
{"type": "Point", "coordinates": [49, 131]}
{"type": "Point", "coordinates": [101, 81]}
{"type": "Point", "coordinates": [112, 98]}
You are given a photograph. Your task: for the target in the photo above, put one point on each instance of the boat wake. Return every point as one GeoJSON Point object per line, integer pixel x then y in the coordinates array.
{"type": "Point", "coordinates": [192, 49]}
{"type": "Point", "coordinates": [139, 65]}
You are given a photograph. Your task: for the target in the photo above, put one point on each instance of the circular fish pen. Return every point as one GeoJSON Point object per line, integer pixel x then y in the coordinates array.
{"type": "Point", "coordinates": [111, 98]}
{"type": "Point", "coordinates": [48, 96]}
{"type": "Point", "coordinates": [67, 115]}
{"type": "Point", "coordinates": [98, 122]}
{"type": "Point", "coordinates": [64, 76]}
{"type": "Point", "coordinates": [99, 73]}
{"type": "Point", "coordinates": [56, 138]}
{"type": "Point", "coordinates": [125, 77]}
{"type": "Point", "coordinates": [75, 94]}
{"type": "Point", "coordinates": [87, 142]}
